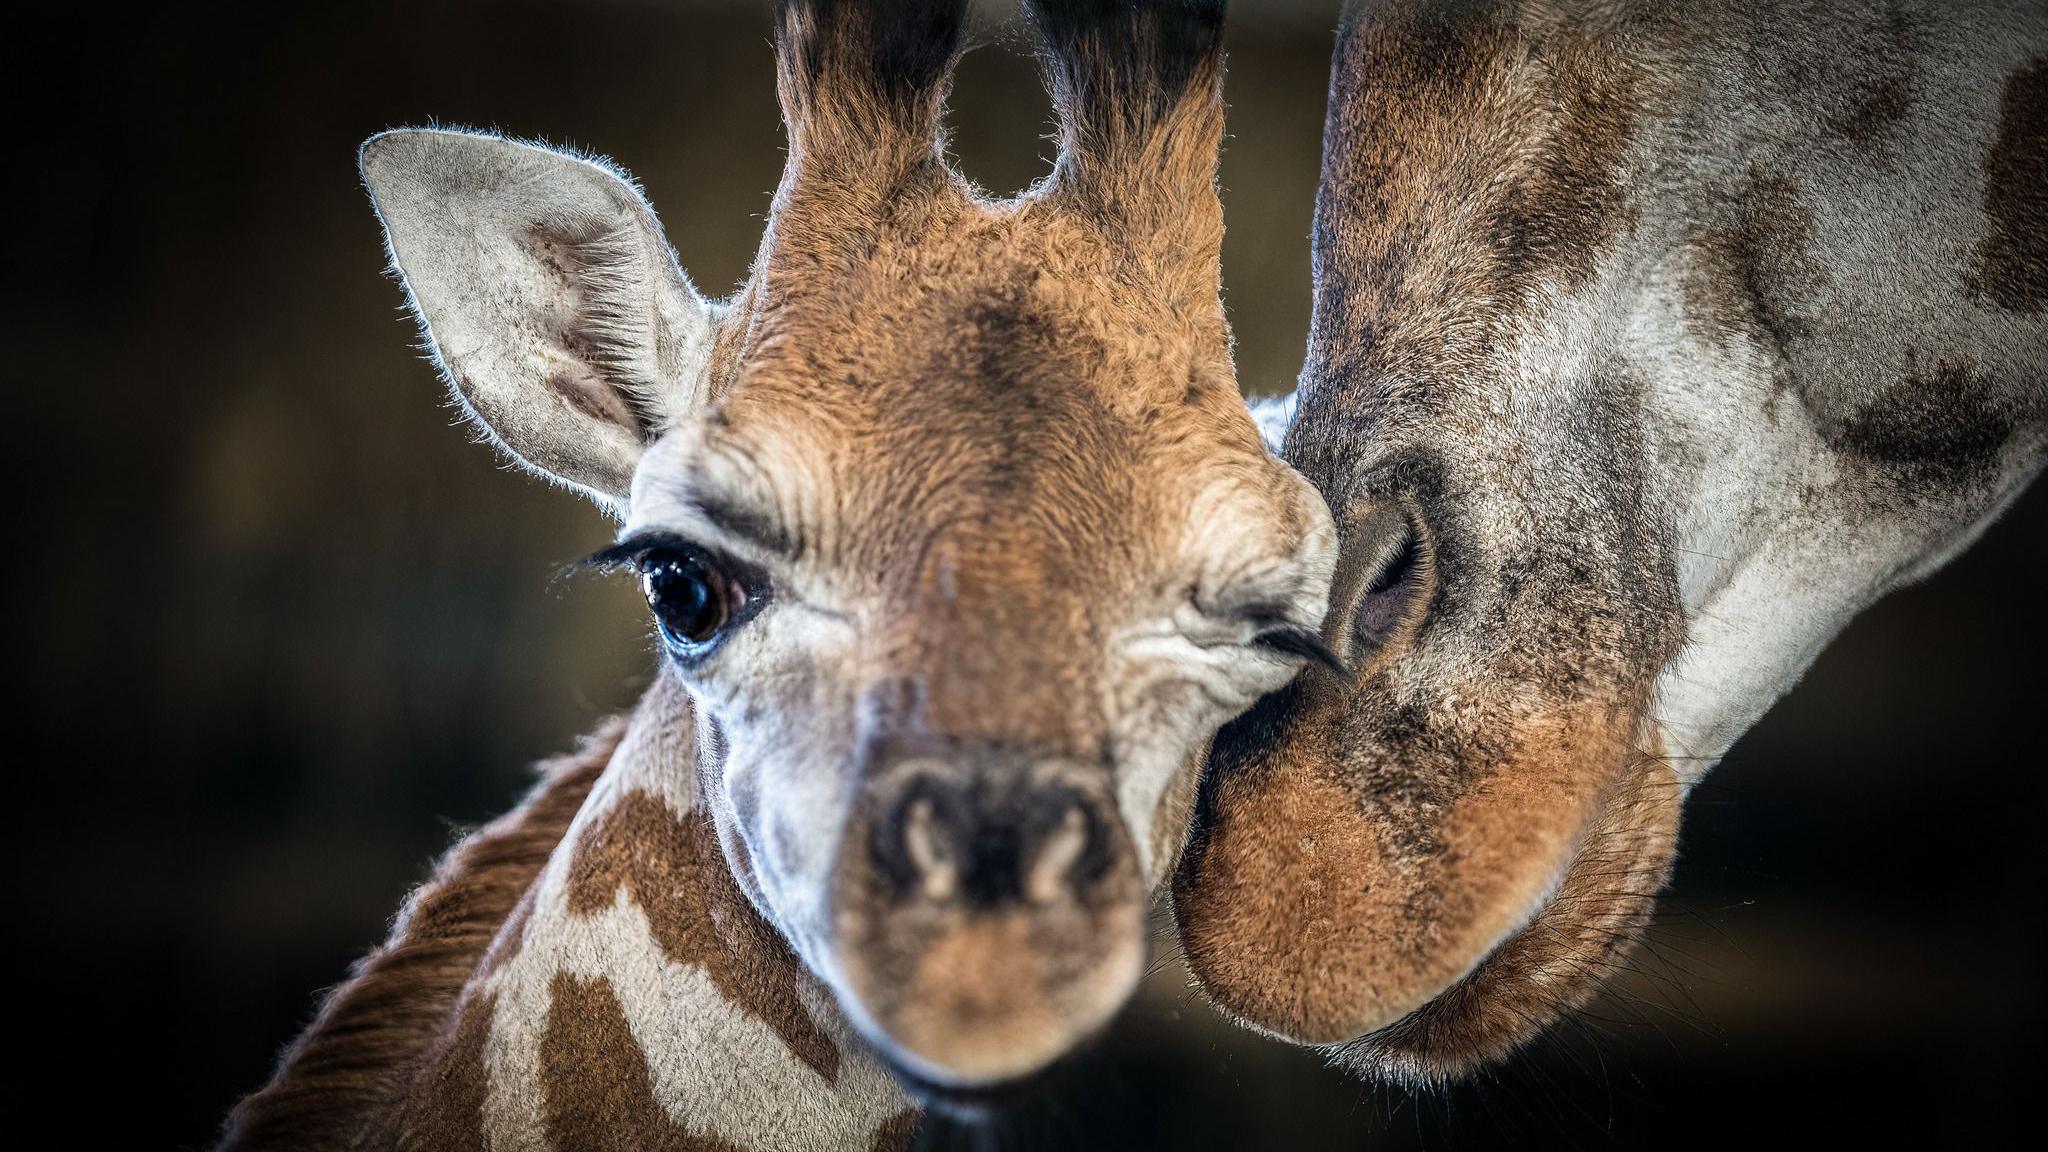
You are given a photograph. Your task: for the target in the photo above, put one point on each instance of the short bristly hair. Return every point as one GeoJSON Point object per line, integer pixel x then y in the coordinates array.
{"type": "Point", "coordinates": [1138, 85]}
{"type": "Point", "coordinates": [1120, 69]}
{"type": "Point", "coordinates": [861, 80]}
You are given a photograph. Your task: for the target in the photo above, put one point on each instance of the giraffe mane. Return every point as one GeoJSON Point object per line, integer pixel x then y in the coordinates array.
{"type": "Point", "coordinates": [341, 1072]}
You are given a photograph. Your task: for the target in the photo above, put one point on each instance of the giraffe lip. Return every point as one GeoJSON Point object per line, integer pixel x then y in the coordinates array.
{"type": "Point", "coordinates": [970, 1102]}
{"type": "Point", "coordinates": [978, 1102]}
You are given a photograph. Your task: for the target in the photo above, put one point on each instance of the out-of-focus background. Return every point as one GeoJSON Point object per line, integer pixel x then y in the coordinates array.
{"type": "Point", "coordinates": [277, 630]}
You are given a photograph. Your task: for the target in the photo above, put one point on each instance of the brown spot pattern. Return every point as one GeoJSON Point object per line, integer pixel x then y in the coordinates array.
{"type": "Point", "coordinates": [1575, 204]}
{"type": "Point", "coordinates": [1884, 105]}
{"type": "Point", "coordinates": [1466, 164]}
{"type": "Point", "coordinates": [598, 1094]}
{"type": "Point", "coordinates": [2012, 261]}
{"type": "Point", "coordinates": [1931, 431]}
{"type": "Point", "coordinates": [672, 868]}
{"type": "Point", "coordinates": [897, 1132]}
{"type": "Point", "coordinates": [1871, 74]}
{"type": "Point", "coordinates": [1744, 271]}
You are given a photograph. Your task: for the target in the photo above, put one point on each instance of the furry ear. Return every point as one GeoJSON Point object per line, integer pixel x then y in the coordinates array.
{"type": "Point", "coordinates": [549, 299]}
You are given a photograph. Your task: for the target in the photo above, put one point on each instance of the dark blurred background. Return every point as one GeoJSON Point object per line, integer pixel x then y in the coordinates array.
{"type": "Point", "coordinates": [278, 630]}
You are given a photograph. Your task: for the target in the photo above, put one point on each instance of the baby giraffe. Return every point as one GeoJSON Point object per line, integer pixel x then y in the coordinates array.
{"type": "Point", "coordinates": [960, 545]}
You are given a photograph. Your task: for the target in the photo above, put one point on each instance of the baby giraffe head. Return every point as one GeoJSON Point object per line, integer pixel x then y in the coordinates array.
{"type": "Point", "coordinates": [952, 521]}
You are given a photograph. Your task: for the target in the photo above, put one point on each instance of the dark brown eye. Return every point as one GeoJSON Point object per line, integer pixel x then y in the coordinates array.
{"type": "Point", "coordinates": [692, 600]}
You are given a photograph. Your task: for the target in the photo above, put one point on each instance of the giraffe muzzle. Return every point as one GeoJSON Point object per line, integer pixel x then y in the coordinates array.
{"type": "Point", "coordinates": [989, 915]}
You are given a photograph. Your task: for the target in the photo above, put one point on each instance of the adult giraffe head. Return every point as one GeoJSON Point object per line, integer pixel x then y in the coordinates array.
{"type": "Point", "coordinates": [952, 521]}
{"type": "Point", "coordinates": [1651, 343]}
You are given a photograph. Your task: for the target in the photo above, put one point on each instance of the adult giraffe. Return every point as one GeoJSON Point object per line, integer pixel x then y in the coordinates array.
{"type": "Point", "coordinates": [1651, 343]}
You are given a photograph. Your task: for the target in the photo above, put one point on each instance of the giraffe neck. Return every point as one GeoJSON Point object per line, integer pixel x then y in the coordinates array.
{"type": "Point", "coordinates": [626, 996]}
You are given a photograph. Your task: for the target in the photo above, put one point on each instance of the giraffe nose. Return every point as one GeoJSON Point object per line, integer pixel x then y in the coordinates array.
{"type": "Point", "coordinates": [989, 913]}
{"type": "Point", "coordinates": [953, 835]}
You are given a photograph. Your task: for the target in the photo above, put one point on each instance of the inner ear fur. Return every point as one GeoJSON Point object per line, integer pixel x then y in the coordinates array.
{"type": "Point", "coordinates": [547, 295]}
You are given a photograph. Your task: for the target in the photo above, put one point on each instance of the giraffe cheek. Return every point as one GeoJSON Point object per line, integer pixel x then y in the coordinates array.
{"type": "Point", "coordinates": [1276, 924]}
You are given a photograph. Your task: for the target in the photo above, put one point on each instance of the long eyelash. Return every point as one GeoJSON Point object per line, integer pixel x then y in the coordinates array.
{"type": "Point", "coordinates": [1397, 559]}
{"type": "Point", "coordinates": [1304, 643]}
{"type": "Point", "coordinates": [605, 559]}
{"type": "Point", "coordinates": [624, 554]}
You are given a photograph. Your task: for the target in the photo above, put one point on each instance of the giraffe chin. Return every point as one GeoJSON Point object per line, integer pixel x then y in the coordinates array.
{"type": "Point", "coordinates": [970, 1017]}
{"type": "Point", "coordinates": [1553, 963]}
{"type": "Point", "coordinates": [1289, 938]}
{"type": "Point", "coordinates": [970, 1103]}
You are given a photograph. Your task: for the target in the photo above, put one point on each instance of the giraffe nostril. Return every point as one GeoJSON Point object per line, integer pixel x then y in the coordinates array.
{"type": "Point", "coordinates": [918, 840]}
{"type": "Point", "coordinates": [988, 844]}
{"type": "Point", "coordinates": [1049, 875]}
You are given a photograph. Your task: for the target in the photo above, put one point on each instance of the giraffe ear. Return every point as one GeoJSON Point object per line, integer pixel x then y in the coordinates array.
{"type": "Point", "coordinates": [547, 295]}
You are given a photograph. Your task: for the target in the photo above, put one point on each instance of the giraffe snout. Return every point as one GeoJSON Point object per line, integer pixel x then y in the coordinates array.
{"type": "Point", "coordinates": [988, 915]}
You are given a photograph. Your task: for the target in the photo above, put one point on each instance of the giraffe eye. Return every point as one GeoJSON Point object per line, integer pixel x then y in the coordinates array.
{"type": "Point", "coordinates": [1391, 593]}
{"type": "Point", "coordinates": [697, 595]}
{"type": "Point", "coordinates": [692, 599]}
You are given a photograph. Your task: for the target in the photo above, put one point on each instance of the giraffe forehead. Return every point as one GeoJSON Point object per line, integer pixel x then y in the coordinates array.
{"type": "Point", "coordinates": [1001, 412]}
{"type": "Point", "coordinates": [1025, 291]}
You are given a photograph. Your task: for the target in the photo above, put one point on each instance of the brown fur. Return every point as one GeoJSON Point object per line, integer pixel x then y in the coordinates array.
{"type": "Point", "coordinates": [1560, 958]}
{"type": "Point", "coordinates": [1648, 318]}
{"type": "Point", "coordinates": [1479, 161]}
{"type": "Point", "coordinates": [442, 1103]}
{"type": "Point", "coordinates": [1534, 154]}
{"type": "Point", "coordinates": [986, 421]}
{"type": "Point", "coordinates": [897, 1133]}
{"type": "Point", "coordinates": [672, 868]}
{"type": "Point", "coordinates": [593, 1072]}
{"type": "Point", "coordinates": [343, 1069]}
{"type": "Point", "coordinates": [1047, 347]}
{"type": "Point", "coordinates": [990, 439]}
{"type": "Point", "coordinates": [862, 83]}
{"type": "Point", "coordinates": [1934, 430]}
{"type": "Point", "coordinates": [1392, 888]}
{"type": "Point", "coordinates": [599, 1095]}
{"type": "Point", "coordinates": [1742, 266]}
{"type": "Point", "coordinates": [1885, 60]}
{"type": "Point", "coordinates": [949, 974]}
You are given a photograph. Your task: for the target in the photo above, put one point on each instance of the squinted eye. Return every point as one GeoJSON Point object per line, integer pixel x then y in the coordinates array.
{"type": "Point", "coordinates": [1304, 643]}
{"type": "Point", "coordinates": [692, 600]}
{"type": "Point", "coordinates": [1390, 596]}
